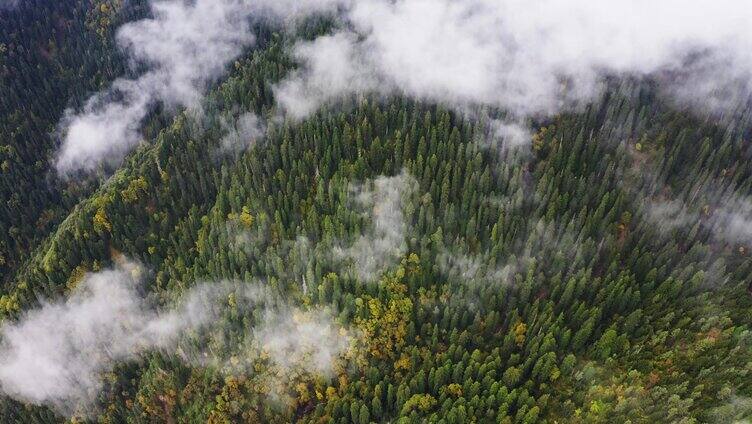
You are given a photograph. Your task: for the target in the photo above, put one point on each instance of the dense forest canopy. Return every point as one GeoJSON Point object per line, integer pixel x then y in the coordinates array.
{"type": "Point", "coordinates": [336, 211]}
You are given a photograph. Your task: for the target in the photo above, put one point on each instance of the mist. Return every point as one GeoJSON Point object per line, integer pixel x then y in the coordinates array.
{"type": "Point", "coordinates": [711, 207]}
{"type": "Point", "coordinates": [56, 355]}
{"type": "Point", "coordinates": [182, 49]}
{"type": "Point", "coordinates": [527, 58]}
{"type": "Point", "coordinates": [724, 212]}
{"type": "Point", "coordinates": [385, 201]}
{"type": "Point", "coordinates": [477, 269]}
{"type": "Point", "coordinates": [241, 132]}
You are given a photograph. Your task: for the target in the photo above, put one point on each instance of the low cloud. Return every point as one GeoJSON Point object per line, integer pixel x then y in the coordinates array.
{"type": "Point", "coordinates": [105, 131]}
{"type": "Point", "coordinates": [287, 260]}
{"type": "Point", "coordinates": [56, 354]}
{"type": "Point", "coordinates": [704, 218]}
{"type": "Point", "coordinates": [527, 58]}
{"type": "Point", "coordinates": [712, 204]}
{"type": "Point", "coordinates": [478, 270]}
{"type": "Point", "coordinates": [716, 82]}
{"type": "Point", "coordinates": [242, 132]}
{"type": "Point", "coordinates": [383, 205]}
{"type": "Point", "coordinates": [385, 202]}
{"type": "Point", "coordinates": [475, 271]}
{"type": "Point", "coordinates": [299, 337]}
{"type": "Point", "coordinates": [726, 214]}
{"type": "Point", "coordinates": [183, 48]}
{"type": "Point", "coordinates": [736, 410]}
{"type": "Point", "coordinates": [508, 134]}
{"type": "Point", "coordinates": [334, 67]}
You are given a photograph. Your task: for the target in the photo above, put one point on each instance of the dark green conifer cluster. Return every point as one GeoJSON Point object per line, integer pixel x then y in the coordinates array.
{"type": "Point", "coordinates": [587, 278]}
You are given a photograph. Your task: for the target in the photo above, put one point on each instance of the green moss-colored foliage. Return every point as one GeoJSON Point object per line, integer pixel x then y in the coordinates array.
{"type": "Point", "coordinates": [582, 307]}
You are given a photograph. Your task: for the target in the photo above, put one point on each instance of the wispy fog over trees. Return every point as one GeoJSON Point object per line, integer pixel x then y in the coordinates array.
{"type": "Point", "coordinates": [276, 211]}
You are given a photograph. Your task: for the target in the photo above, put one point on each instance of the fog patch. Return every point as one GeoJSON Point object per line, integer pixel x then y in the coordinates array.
{"type": "Point", "coordinates": [179, 52]}
{"type": "Point", "coordinates": [385, 202]}
{"type": "Point", "coordinates": [527, 58]}
{"type": "Point", "coordinates": [56, 354]}
{"type": "Point", "coordinates": [242, 132]}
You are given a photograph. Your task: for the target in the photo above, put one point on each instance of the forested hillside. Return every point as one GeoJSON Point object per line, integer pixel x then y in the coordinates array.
{"type": "Point", "coordinates": [52, 54]}
{"type": "Point", "coordinates": [386, 255]}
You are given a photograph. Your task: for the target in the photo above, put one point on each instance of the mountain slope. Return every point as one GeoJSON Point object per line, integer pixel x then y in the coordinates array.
{"type": "Point", "coordinates": [599, 275]}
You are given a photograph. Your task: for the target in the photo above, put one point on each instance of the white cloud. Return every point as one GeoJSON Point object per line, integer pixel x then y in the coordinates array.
{"type": "Point", "coordinates": [334, 68]}
{"type": "Point", "coordinates": [56, 354]}
{"type": "Point", "coordinates": [184, 46]}
{"type": "Point", "coordinates": [242, 132]}
{"type": "Point", "coordinates": [476, 270]}
{"type": "Point", "coordinates": [725, 212]}
{"type": "Point", "coordinates": [718, 82]}
{"type": "Point", "coordinates": [384, 201]}
{"type": "Point", "coordinates": [509, 134]}
{"type": "Point", "coordinates": [104, 131]}
{"type": "Point", "coordinates": [296, 337]}
{"type": "Point", "coordinates": [292, 10]}
{"type": "Point", "coordinates": [529, 58]}
{"type": "Point", "coordinates": [526, 57]}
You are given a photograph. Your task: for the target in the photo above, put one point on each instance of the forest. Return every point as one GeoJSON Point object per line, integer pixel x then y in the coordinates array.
{"type": "Point", "coordinates": [230, 211]}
